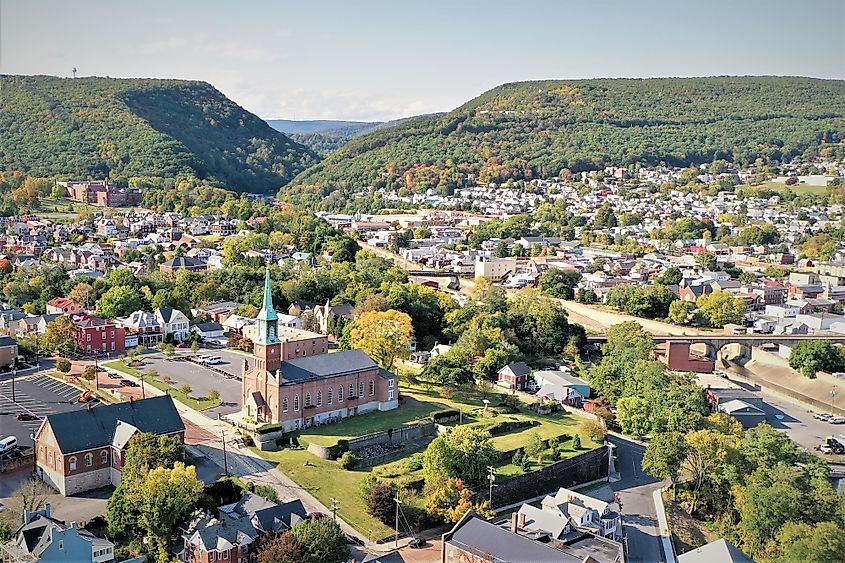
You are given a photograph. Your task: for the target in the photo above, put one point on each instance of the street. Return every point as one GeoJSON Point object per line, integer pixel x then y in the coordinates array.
{"type": "Point", "coordinates": [635, 488]}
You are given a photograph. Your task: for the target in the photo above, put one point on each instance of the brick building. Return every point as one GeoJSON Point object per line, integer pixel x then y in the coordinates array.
{"type": "Point", "coordinates": [296, 383]}
{"type": "Point", "coordinates": [84, 449]}
{"type": "Point", "coordinates": [102, 193]}
{"type": "Point", "coordinates": [98, 336]}
{"type": "Point", "coordinates": [64, 306]}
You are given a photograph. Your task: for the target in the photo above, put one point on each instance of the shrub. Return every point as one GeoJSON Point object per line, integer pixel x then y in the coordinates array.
{"type": "Point", "coordinates": [576, 442]}
{"type": "Point", "coordinates": [505, 426]}
{"type": "Point", "coordinates": [380, 503]}
{"type": "Point", "coordinates": [446, 415]}
{"type": "Point", "coordinates": [214, 394]}
{"type": "Point", "coordinates": [63, 365]}
{"type": "Point", "coordinates": [89, 373]}
{"type": "Point", "coordinates": [267, 428]}
{"type": "Point", "coordinates": [415, 462]}
{"type": "Point", "coordinates": [517, 458]}
{"type": "Point", "coordinates": [349, 460]}
{"type": "Point", "coordinates": [186, 388]}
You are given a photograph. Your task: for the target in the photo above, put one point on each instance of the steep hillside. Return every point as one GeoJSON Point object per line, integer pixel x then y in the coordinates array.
{"type": "Point", "coordinates": [536, 129]}
{"type": "Point", "coordinates": [140, 127]}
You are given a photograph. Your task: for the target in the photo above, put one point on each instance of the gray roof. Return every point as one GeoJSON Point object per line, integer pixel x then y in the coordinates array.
{"type": "Point", "coordinates": [8, 341]}
{"type": "Point", "coordinates": [719, 551]}
{"type": "Point", "coordinates": [485, 539]}
{"type": "Point", "coordinates": [85, 429]}
{"type": "Point", "coordinates": [738, 406]}
{"type": "Point", "coordinates": [327, 365]}
{"type": "Point", "coordinates": [516, 368]}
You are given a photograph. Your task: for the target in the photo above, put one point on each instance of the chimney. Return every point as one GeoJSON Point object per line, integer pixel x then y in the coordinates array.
{"type": "Point", "coordinates": [515, 522]}
{"type": "Point", "coordinates": [521, 519]}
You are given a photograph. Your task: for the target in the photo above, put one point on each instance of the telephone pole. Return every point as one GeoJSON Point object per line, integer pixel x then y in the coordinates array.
{"type": "Point", "coordinates": [225, 458]}
{"type": "Point", "coordinates": [396, 536]}
{"type": "Point", "coordinates": [335, 505]}
{"type": "Point", "coordinates": [490, 477]}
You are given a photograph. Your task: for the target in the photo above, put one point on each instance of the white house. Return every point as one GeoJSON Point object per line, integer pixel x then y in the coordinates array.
{"type": "Point", "coordinates": [174, 322]}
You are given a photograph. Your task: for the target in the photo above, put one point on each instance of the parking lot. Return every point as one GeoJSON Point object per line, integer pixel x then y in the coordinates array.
{"type": "Point", "coordinates": [37, 394]}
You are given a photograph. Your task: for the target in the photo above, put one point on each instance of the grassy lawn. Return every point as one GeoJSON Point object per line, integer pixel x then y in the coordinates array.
{"type": "Point", "coordinates": [779, 187]}
{"type": "Point", "coordinates": [325, 479]}
{"type": "Point", "coordinates": [196, 403]}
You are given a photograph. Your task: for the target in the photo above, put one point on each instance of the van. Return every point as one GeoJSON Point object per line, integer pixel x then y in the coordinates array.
{"type": "Point", "coordinates": [8, 444]}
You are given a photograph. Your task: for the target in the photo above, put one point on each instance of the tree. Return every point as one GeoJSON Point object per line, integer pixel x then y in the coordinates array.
{"type": "Point", "coordinates": [384, 336]}
{"type": "Point", "coordinates": [706, 260]}
{"type": "Point", "coordinates": [651, 301]}
{"type": "Point", "coordinates": [634, 415]}
{"type": "Point", "coordinates": [89, 373]}
{"type": "Point", "coordinates": [705, 451]}
{"type": "Point", "coordinates": [813, 356]}
{"type": "Point", "coordinates": [671, 276]}
{"type": "Point", "coordinates": [747, 278]}
{"type": "Point", "coordinates": [147, 451]}
{"type": "Point", "coordinates": [463, 452]}
{"type": "Point", "coordinates": [720, 308]}
{"type": "Point", "coordinates": [664, 456]}
{"type": "Point", "coordinates": [605, 217]}
{"type": "Point", "coordinates": [163, 498]}
{"type": "Point", "coordinates": [348, 460]}
{"type": "Point", "coordinates": [798, 541]}
{"type": "Point", "coordinates": [119, 301]}
{"type": "Point", "coordinates": [680, 312]}
{"type": "Point", "coordinates": [214, 394]}
{"type": "Point", "coordinates": [576, 442]}
{"type": "Point", "coordinates": [534, 445]}
{"type": "Point", "coordinates": [451, 500]}
{"type": "Point", "coordinates": [84, 294]}
{"type": "Point", "coordinates": [560, 283]}
{"type": "Point", "coordinates": [195, 346]}
{"type": "Point", "coordinates": [60, 336]}
{"type": "Point", "coordinates": [63, 365]}
{"type": "Point", "coordinates": [628, 336]}
{"type": "Point", "coordinates": [280, 549]}
{"type": "Point", "coordinates": [186, 388]}
{"type": "Point", "coordinates": [595, 429]}
{"type": "Point", "coordinates": [321, 539]}
{"type": "Point", "coordinates": [380, 503]}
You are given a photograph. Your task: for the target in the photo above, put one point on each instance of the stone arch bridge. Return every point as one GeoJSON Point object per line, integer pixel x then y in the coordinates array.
{"type": "Point", "coordinates": [678, 356]}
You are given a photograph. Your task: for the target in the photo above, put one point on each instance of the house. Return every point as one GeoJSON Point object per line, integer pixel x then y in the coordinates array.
{"type": "Point", "coordinates": [8, 351]}
{"type": "Point", "coordinates": [598, 512]}
{"type": "Point", "coordinates": [562, 387]}
{"type": "Point", "coordinates": [84, 449]}
{"type": "Point", "coordinates": [175, 323]}
{"type": "Point", "coordinates": [493, 268]}
{"type": "Point", "coordinates": [181, 263]}
{"type": "Point", "coordinates": [232, 537]}
{"type": "Point", "coordinates": [63, 305]}
{"type": "Point", "coordinates": [296, 383]}
{"type": "Point", "coordinates": [721, 551]}
{"type": "Point", "coordinates": [747, 414]}
{"type": "Point", "coordinates": [96, 336]}
{"type": "Point", "coordinates": [218, 311]}
{"type": "Point", "coordinates": [144, 326]}
{"type": "Point", "coordinates": [208, 331]}
{"type": "Point", "coordinates": [41, 537]}
{"type": "Point", "coordinates": [514, 376]}
{"type": "Point", "coordinates": [325, 314]}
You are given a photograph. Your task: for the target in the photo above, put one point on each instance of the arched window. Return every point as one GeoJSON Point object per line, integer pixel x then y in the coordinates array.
{"type": "Point", "coordinates": [351, 390]}
{"type": "Point", "coordinates": [372, 388]}
{"type": "Point", "coordinates": [296, 403]}
{"type": "Point", "coordinates": [340, 394]}
{"type": "Point", "coordinates": [72, 463]}
{"type": "Point", "coordinates": [307, 400]}
{"type": "Point", "coordinates": [285, 404]}
{"type": "Point", "coordinates": [89, 460]}
{"type": "Point", "coordinates": [361, 389]}
{"type": "Point", "coordinates": [319, 398]}
{"type": "Point", "coordinates": [104, 457]}
{"type": "Point", "coordinates": [331, 395]}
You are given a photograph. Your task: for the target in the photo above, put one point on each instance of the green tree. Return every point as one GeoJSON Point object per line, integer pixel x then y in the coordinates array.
{"type": "Point", "coordinates": [706, 261]}
{"type": "Point", "coordinates": [147, 451]}
{"type": "Point", "coordinates": [560, 283]}
{"type": "Point", "coordinates": [651, 301]}
{"type": "Point", "coordinates": [664, 456]}
{"type": "Point", "coordinates": [384, 336]}
{"type": "Point", "coordinates": [60, 336]}
{"type": "Point", "coordinates": [706, 450]}
{"type": "Point", "coordinates": [671, 276]}
{"type": "Point", "coordinates": [634, 415]}
{"type": "Point", "coordinates": [680, 312]}
{"type": "Point", "coordinates": [89, 373]}
{"type": "Point", "coordinates": [119, 301]}
{"type": "Point", "coordinates": [534, 445]}
{"type": "Point", "coordinates": [463, 452]}
{"type": "Point", "coordinates": [321, 539]}
{"type": "Point", "coordinates": [798, 541]}
{"type": "Point", "coordinates": [628, 336]}
{"type": "Point", "coordinates": [576, 442]}
{"type": "Point", "coordinates": [813, 356]}
{"type": "Point", "coordinates": [63, 365]}
{"type": "Point", "coordinates": [605, 217]}
{"type": "Point", "coordinates": [720, 308]}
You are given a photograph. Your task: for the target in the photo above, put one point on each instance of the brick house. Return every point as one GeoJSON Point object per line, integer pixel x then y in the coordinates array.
{"type": "Point", "coordinates": [514, 376]}
{"type": "Point", "coordinates": [63, 305]}
{"type": "Point", "coordinates": [96, 336]}
{"type": "Point", "coordinates": [297, 383]}
{"type": "Point", "coordinates": [80, 450]}
{"type": "Point", "coordinates": [8, 351]}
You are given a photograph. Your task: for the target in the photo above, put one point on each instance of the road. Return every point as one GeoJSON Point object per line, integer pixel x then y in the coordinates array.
{"type": "Point", "coordinates": [635, 488]}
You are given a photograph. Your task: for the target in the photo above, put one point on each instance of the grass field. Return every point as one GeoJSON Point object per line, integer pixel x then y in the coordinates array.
{"type": "Point", "coordinates": [196, 403]}
{"type": "Point", "coordinates": [779, 187]}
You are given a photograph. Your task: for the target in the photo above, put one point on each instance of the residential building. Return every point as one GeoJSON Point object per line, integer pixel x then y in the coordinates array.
{"type": "Point", "coordinates": [562, 387]}
{"type": "Point", "coordinates": [181, 263]}
{"type": "Point", "coordinates": [515, 375]}
{"type": "Point", "coordinates": [494, 268]}
{"type": "Point", "coordinates": [208, 331]}
{"type": "Point", "coordinates": [43, 538]}
{"type": "Point", "coordinates": [144, 326]}
{"type": "Point", "coordinates": [84, 449]}
{"type": "Point", "coordinates": [63, 305]}
{"type": "Point", "coordinates": [296, 383]}
{"type": "Point", "coordinates": [721, 551]}
{"type": "Point", "coordinates": [174, 323]}
{"type": "Point", "coordinates": [96, 336]}
{"type": "Point", "coordinates": [8, 351]}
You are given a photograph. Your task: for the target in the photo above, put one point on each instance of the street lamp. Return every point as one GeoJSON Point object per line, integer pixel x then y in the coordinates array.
{"type": "Point", "coordinates": [14, 373]}
{"type": "Point", "coordinates": [833, 399]}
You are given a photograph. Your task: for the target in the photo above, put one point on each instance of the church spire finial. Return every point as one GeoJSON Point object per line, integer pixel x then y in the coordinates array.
{"type": "Point", "coordinates": [267, 313]}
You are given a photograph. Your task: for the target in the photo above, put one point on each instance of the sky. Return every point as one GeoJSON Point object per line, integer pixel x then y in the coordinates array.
{"type": "Point", "coordinates": [380, 60]}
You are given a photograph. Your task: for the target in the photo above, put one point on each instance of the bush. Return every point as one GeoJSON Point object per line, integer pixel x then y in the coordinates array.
{"type": "Point", "coordinates": [447, 415]}
{"type": "Point", "coordinates": [214, 394]}
{"type": "Point", "coordinates": [505, 426]}
{"type": "Point", "coordinates": [339, 449]}
{"type": "Point", "coordinates": [63, 365]}
{"type": "Point", "coordinates": [186, 389]}
{"type": "Point", "coordinates": [349, 460]}
{"type": "Point", "coordinates": [415, 461]}
{"type": "Point", "coordinates": [380, 503]}
{"type": "Point", "coordinates": [576, 442]}
{"type": "Point", "coordinates": [267, 428]}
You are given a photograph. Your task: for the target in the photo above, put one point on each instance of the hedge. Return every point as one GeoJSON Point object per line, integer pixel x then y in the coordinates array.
{"type": "Point", "coordinates": [446, 414]}
{"type": "Point", "coordinates": [267, 428]}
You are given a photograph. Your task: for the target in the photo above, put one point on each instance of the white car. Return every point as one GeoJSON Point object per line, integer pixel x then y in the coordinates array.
{"type": "Point", "coordinates": [836, 420]}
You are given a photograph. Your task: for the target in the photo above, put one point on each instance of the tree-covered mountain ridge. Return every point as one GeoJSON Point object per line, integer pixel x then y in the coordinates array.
{"type": "Point", "coordinates": [526, 130]}
{"type": "Point", "coordinates": [121, 128]}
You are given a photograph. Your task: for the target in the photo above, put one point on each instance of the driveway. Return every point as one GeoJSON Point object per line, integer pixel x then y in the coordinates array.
{"type": "Point", "coordinates": [639, 516]}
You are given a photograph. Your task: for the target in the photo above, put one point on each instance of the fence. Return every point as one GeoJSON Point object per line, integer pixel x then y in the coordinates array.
{"type": "Point", "coordinates": [582, 468]}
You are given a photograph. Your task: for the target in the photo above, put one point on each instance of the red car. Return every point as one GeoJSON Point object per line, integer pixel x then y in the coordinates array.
{"type": "Point", "coordinates": [182, 345]}
{"type": "Point", "coordinates": [26, 416]}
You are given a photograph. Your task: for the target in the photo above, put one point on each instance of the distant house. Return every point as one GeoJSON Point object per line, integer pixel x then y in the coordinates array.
{"type": "Point", "coordinates": [514, 376]}
{"type": "Point", "coordinates": [721, 551]}
{"type": "Point", "coordinates": [747, 414]}
{"type": "Point", "coordinates": [174, 323]}
{"type": "Point", "coordinates": [8, 351]}
{"type": "Point", "coordinates": [63, 305]}
{"type": "Point", "coordinates": [181, 263]}
{"type": "Point", "coordinates": [208, 330]}
{"type": "Point", "coordinates": [562, 387]}
{"type": "Point", "coordinates": [218, 311]}
{"type": "Point", "coordinates": [84, 449]}
{"type": "Point", "coordinates": [42, 537]}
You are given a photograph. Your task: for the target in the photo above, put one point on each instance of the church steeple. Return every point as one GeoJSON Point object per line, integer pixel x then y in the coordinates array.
{"type": "Point", "coordinates": [268, 320]}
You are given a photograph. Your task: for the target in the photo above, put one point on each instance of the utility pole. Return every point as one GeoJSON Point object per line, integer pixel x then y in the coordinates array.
{"type": "Point", "coordinates": [490, 477]}
{"type": "Point", "coordinates": [225, 458]}
{"type": "Point", "coordinates": [143, 391]}
{"type": "Point", "coordinates": [335, 505]}
{"type": "Point", "coordinates": [14, 373]}
{"type": "Point", "coordinates": [832, 400]}
{"type": "Point", "coordinates": [396, 536]}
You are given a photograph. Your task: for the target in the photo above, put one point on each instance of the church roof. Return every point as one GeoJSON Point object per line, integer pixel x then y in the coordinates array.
{"type": "Point", "coordinates": [267, 313]}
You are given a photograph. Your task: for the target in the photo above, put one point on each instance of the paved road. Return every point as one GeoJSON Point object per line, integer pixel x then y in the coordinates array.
{"type": "Point", "coordinates": [639, 516]}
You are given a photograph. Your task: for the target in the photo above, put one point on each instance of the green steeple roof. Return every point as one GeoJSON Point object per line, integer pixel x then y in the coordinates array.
{"type": "Point", "coordinates": [267, 312]}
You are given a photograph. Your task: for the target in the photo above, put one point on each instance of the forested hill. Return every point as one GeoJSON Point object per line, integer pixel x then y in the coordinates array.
{"type": "Point", "coordinates": [98, 127]}
{"type": "Point", "coordinates": [535, 129]}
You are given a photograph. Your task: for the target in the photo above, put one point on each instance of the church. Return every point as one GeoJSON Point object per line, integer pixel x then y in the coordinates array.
{"type": "Point", "coordinates": [295, 382]}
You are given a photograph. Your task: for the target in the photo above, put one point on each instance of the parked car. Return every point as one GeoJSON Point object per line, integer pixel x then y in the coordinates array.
{"type": "Point", "coordinates": [835, 445]}
{"type": "Point", "coordinates": [836, 420]}
{"type": "Point", "coordinates": [821, 416]}
{"type": "Point", "coordinates": [182, 345]}
{"type": "Point", "coordinates": [8, 443]}
{"type": "Point", "coordinates": [26, 416]}
{"type": "Point", "coordinates": [417, 543]}
{"type": "Point", "coordinates": [128, 383]}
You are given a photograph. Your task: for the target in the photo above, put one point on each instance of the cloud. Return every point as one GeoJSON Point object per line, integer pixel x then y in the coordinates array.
{"type": "Point", "coordinates": [209, 46]}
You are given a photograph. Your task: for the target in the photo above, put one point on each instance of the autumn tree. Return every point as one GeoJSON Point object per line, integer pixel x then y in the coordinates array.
{"type": "Point", "coordinates": [451, 500]}
{"type": "Point", "coordinates": [60, 336]}
{"type": "Point", "coordinates": [720, 308]}
{"type": "Point", "coordinates": [84, 294]}
{"type": "Point", "coordinates": [282, 548]}
{"type": "Point", "coordinates": [384, 336]}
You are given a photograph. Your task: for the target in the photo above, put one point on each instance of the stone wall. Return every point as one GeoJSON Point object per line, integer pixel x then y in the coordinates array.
{"type": "Point", "coordinates": [397, 441]}
{"type": "Point", "coordinates": [582, 468]}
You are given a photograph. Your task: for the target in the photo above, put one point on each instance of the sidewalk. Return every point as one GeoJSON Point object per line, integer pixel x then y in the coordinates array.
{"type": "Point", "coordinates": [665, 533]}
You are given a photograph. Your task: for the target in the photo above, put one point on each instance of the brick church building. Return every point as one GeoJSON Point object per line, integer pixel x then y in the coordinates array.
{"type": "Point", "coordinates": [294, 381]}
